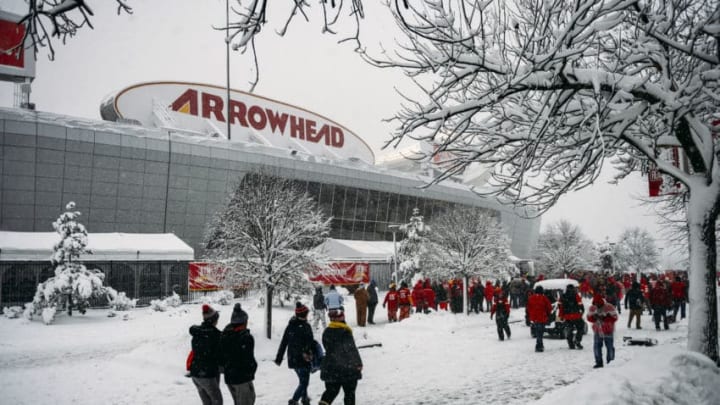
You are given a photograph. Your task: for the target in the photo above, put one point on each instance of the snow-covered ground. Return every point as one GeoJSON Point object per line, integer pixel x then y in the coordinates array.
{"type": "Point", "coordinates": [439, 358]}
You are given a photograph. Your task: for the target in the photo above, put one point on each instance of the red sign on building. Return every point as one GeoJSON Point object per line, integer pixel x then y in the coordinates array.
{"type": "Point", "coordinates": [343, 273]}
{"type": "Point", "coordinates": [206, 276]}
{"type": "Point", "coordinates": [15, 63]}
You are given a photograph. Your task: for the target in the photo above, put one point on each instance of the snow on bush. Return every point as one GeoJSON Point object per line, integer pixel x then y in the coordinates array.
{"type": "Point", "coordinates": [172, 301]}
{"type": "Point", "coordinates": [121, 302]}
{"type": "Point", "coordinates": [12, 312]}
{"type": "Point", "coordinates": [223, 297]}
{"type": "Point", "coordinates": [73, 284]}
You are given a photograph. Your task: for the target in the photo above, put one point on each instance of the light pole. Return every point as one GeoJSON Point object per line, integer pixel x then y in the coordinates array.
{"type": "Point", "coordinates": [394, 228]}
{"type": "Point", "coordinates": [227, 64]}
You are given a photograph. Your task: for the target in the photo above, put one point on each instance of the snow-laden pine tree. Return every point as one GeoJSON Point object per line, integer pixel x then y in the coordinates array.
{"type": "Point", "coordinates": [636, 251]}
{"type": "Point", "coordinates": [563, 249]}
{"type": "Point", "coordinates": [266, 236]}
{"type": "Point", "coordinates": [467, 242]}
{"type": "Point", "coordinates": [73, 285]}
{"type": "Point", "coordinates": [412, 247]}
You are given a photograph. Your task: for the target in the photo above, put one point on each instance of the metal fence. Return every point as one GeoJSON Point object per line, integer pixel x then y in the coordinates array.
{"type": "Point", "coordinates": [146, 280]}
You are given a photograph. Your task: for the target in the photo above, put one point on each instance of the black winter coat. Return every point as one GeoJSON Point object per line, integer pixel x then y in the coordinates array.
{"type": "Point", "coordinates": [238, 354]}
{"type": "Point", "coordinates": [342, 360]}
{"type": "Point", "coordinates": [634, 298]}
{"type": "Point", "coordinates": [297, 339]}
{"type": "Point", "coordinates": [372, 292]}
{"type": "Point", "coordinates": [206, 351]}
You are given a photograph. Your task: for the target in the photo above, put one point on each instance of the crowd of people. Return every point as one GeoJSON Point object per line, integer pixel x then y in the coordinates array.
{"type": "Point", "coordinates": [231, 351]}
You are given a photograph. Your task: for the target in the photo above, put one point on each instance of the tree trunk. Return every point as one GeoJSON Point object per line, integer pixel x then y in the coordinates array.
{"type": "Point", "coordinates": [268, 311]}
{"type": "Point", "coordinates": [703, 316]}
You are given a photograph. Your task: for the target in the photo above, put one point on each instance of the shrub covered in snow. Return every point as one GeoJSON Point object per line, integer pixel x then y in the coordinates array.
{"type": "Point", "coordinates": [169, 302]}
{"type": "Point", "coordinates": [119, 301]}
{"type": "Point", "coordinates": [73, 284]}
{"type": "Point", "coordinates": [12, 312]}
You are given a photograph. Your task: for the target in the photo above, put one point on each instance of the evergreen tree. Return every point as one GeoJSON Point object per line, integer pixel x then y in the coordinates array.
{"type": "Point", "coordinates": [412, 247]}
{"type": "Point", "coordinates": [73, 284]}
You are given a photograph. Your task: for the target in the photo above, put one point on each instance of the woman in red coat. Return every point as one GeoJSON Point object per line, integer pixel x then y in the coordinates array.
{"type": "Point", "coordinates": [429, 296]}
{"type": "Point", "coordinates": [489, 294]}
{"type": "Point", "coordinates": [391, 301]}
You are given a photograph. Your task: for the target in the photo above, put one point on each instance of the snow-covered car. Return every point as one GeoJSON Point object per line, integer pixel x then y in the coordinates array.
{"type": "Point", "coordinates": [554, 289]}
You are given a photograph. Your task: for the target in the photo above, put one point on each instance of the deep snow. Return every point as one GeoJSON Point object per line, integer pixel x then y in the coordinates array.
{"type": "Point", "coordinates": [439, 358]}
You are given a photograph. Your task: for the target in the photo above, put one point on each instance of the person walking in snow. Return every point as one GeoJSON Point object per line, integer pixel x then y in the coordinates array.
{"type": "Point", "coordinates": [489, 294]}
{"type": "Point", "coordinates": [237, 348]}
{"type": "Point", "coordinates": [635, 302]}
{"type": "Point", "coordinates": [660, 299]}
{"type": "Point", "coordinates": [361, 302]}
{"type": "Point", "coordinates": [404, 300]}
{"type": "Point", "coordinates": [299, 342]}
{"type": "Point", "coordinates": [603, 316]}
{"type": "Point", "coordinates": [391, 300]}
{"type": "Point", "coordinates": [372, 301]}
{"type": "Point", "coordinates": [538, 310]}
{"type": "Point", "coordinates": [333, 299]}
{"type": "Point", "coordinates": [429, 293]}
{"type": "Point", "coordinates": [570, 310]}
{"type": "Point", "coordinates": [205, 364]}
{"type": "Point", "coordinates": [418, 297]}
{"type": "Point", "coordinates": [319, 308]}
{"type": "Point", "coordinates": [678, 289]}
{"type": "Point", "coordinates": [342, 365]}
{"type": "Point", "coordinates": [501, 311]}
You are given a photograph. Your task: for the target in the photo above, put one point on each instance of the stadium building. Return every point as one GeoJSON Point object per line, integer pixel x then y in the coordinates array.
{"type": "Point", "coordinates": [161, 162]}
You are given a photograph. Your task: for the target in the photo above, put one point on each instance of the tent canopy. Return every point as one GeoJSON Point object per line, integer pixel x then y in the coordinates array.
{"type": "Point", "coordinates": [357, 250]}
{"type": "Point", "coordinates": [38, 246]}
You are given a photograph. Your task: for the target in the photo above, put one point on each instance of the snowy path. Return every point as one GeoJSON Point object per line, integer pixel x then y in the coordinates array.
{"type": "Point", "coordinates": [429, 359]}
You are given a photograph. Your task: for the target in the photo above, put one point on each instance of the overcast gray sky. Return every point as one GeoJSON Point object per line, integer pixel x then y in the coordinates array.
{"type": "Point", "coordinates": [174, 40]}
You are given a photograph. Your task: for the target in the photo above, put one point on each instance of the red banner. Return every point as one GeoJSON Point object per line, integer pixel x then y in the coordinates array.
{"type": "Point", "coordinates": [206, 277]}
{"type": "Point", "coordinates": [11, 37]}
{"type": "Point", "coordinates": [343, 273]}
{"type": "Point", "coordinates": [662, 184]}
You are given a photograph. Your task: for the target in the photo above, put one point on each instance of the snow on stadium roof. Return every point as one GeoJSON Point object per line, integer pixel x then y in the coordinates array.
{"type": "Point", "coordinates": [38, 246]}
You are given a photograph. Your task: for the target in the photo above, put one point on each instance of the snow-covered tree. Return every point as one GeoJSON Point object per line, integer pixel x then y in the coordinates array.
{"type": "Point", "coordinates": [411, 249]}
{"type": "Point", "coordinates": [636, 251]}
{"type": "Point", "coordinates": [563, 249]}
{"type": "Point", "coordinates": [467, 242]}
{"type": "Point", "coordinates": [546, 93]}
{"type": "Point", "coordinates": [49, 20]}
{"type": "Point", "coordinates": [73, 285]}
{"type": "Point", "coordinates": [607, 257]}
{"type": "Point", "coordinates": [265, 236]}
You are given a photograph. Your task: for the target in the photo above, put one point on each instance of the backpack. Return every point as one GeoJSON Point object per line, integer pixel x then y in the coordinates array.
{"type": "Point", "coordinates": [570, 304]}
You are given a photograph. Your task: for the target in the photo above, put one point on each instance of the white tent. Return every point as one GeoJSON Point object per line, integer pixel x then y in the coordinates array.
{"type": "Point", "coordinates": [38, 246]}
{"type": "Point", "coordinates": [357, 250]}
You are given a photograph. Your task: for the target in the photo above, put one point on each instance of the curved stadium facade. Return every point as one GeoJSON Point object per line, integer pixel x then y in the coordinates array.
{"type": "Point", "coordinates": [139, 179]}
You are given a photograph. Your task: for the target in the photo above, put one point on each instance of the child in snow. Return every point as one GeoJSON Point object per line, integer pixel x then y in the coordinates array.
{"type": "Point", "coordinates": [299, 343]}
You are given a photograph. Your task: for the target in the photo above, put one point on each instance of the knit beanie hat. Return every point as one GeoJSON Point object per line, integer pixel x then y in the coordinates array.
{"type": "Point", "coordinates": [208, 312]}
{"type": "Point", "coordinates": [301, 310]}
{"type": "Point", "coordinates": [238, 315]}
{"type": "Point", "coordinates": [336, 315]}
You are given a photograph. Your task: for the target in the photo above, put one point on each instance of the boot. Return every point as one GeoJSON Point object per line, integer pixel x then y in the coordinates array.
{"type": "Point", "coordinates": [292, 402]}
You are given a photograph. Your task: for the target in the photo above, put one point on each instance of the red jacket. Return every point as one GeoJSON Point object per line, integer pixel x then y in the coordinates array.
{"type": "Point", "coordinates": [404, 296]}
{"type": "Point", "coordinates": [429, 296]}
{"type": "Point", "coordinates": [418, 295]}
{"type": "Point", "coordinates": [660, 296]}
{"type": "Point", "coordinates": [539, 308]}
{"type": "Point", "coordinates": [489, 291]}
{"type": "Point", "coordinates": [391, 299]}
{"type": "Point", "coordinates": [678, 290]}
{"type": "Point", "coordinates": [603, 318]}
{"type": "Point", "coordinates": [503, 302]}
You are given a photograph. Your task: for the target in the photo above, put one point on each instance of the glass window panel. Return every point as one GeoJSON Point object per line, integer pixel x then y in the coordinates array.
{"type": "Point", "coordinates": [372, 205]}
{"type": "Point", "coordinates": [350, 201]}
{"type": "Point", "coordinates": [338, 202]}
{"type": "Point", "coordinates": [394, 209]}
{"type": "Point", "coordinates": [382, 209]}
{"type": "Point", "coordinates": [361, 205]}
{"type": "Point", "coordinates": [327, 192]}
{"type": "Point", "coordinates": [402, 217]}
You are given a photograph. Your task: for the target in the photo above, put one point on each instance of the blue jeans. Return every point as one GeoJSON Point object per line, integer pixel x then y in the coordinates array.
{"type": "Point", "coordinates": [609, 343]}
{"type": "Point", "coordinates": [304, 377]}
{"type": "Point", "coordinates": [539, 330]}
